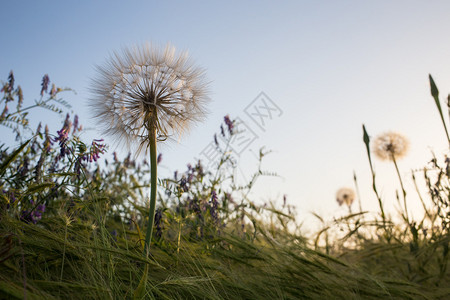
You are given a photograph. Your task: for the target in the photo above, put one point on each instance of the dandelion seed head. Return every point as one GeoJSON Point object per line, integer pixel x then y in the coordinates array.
{"type": "Point", "coordinates": [145, 88]}
{"type": "Point", "coordinates": [345, 196]}
{"type": "Point", "coordinates": [390, 145]}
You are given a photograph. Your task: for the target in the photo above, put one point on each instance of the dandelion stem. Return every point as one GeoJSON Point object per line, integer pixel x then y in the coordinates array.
{"type": "Point", "coordinates": [153, 183]}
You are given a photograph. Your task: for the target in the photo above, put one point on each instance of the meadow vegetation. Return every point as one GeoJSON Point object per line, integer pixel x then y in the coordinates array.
{"type": "Point", "coordinates": [73, 222]}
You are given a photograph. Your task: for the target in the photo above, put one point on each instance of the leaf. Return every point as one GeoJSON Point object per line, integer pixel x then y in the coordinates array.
{"type": "Point", "coordinates": [12, 157]}
{"type": "Point", "coordinates": [39, 187]}
{"type": "Point", "coordinates": [139, 293]}
{"type": "Point", "coordinates": [366, 138]}
{"type": "Point", "coordinates": [433, 87]}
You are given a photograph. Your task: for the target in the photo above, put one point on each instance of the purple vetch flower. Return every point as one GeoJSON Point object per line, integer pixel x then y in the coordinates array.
{"type": "Point", "coordinates": [33, 216]}
{"type": "Point", "coordinates": [214, 205]}
{"type": "Point", "coordinates": [183, 185]}
{"type": "Point", "coordinates": [10, 84]}
{"type": "Point", "coordinates": [24, 168]}
{"type": "Point", "coordinates": [114, 234]}
{"type": "Point", "coordinates": [158, 222]}
{"type": "Point", "coordinates": [229, 123]}
{"type": "Point", "coordinates": [63, 136]}
{"type": "Point", "coordinates": [96, 150]}
{"type": "Point", "coordinates": [159, 159]}
{"type": "Point", "coordinates": [190, 178]}
{"type": "Point", "coordinates": [75, 124]}
{"type": "Point", "coordinates": [44, 84]}
{"type": "Point", "coordinates": [199, 169]}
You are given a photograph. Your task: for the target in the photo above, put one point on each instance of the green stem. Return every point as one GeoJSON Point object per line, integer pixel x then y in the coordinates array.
{"type": "Point", "coordinates": [153, 183]}
{"type": "Point", "coordinates": [403, 189]}
{"type": "Point", "coordinates": [366, 140]}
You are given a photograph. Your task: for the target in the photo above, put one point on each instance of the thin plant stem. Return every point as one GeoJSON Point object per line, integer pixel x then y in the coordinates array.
{"type": "Point", "coordinates": [153, 183]}
{"type": "Point", "coordinates": [403, 189]}
{"type": "Point", "coordinates": [366, 140]}
{"type": "Point", "coordinates": [421, 199]}
{"type": "Point", "coordinates": [435, 94]}
{"type": "Point", "coordinates": [357, 191]}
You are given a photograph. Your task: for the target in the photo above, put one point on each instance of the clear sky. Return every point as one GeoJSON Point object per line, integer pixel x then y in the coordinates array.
{"type": "Point", "coordinates": [329, 66]}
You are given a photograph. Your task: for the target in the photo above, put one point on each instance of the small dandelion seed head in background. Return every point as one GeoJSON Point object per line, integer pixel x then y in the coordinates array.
{"type": "Point", "coordinates": [390, 145]}
{"type": "Point", "coordinates": [345, 196]}
{"type": "Point", "coordinates": [146, 88]}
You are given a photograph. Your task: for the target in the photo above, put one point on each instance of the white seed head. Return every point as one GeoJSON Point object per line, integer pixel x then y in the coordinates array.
{"type": "Point", "coordinates": [390, 146]}
{"type": "Point", "coordinates": [345, 196]}
{"type": "Point", "coordinates": [145, 88]}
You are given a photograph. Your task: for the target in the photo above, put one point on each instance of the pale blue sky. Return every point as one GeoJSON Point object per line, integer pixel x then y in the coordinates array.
{"type": "Point", "coordinates": [329, 65]}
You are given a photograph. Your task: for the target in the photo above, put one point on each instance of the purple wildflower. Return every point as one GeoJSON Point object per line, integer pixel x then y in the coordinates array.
{"type": "Point", "coordinates": [190, 177]}
{"type": "Point", "coordinates": [63, 136]}
{"type": "Point", "coordinates": [199, 169]}
{"type": "Point", "coordinates": [44, 84]}
{"type": "Point", "coordinates": [75, 124]}
{"type": "Point", "coordinates": [96, 150]}
{"type": "Point", "coordinates": [24, 168]}
{"type": "Point", "coordinates": [33, 216]}
{"type": "Point", "coordinates": [159, 159]}
{"type": "Point", "coordinates": [229, 123]}
{"type": "Point", "coordinates": [114, 234]}
{"type": "Point", "coordinates": [183, 185]}
{"type": "Point", "coordinates": [214, 206]}
{"type": "Point", "coordinates": [10, 85]}
{"type": "Point", "coordinates": [157, 222]}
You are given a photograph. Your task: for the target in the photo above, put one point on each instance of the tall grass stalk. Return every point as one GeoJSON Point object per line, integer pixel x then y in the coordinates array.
{"type": "Point", "coordinates": [366, 140]}
{"type": "Point", "coordinates": [435, 94]}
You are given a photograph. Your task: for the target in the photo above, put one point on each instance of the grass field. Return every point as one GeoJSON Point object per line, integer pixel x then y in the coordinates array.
{"type": "Point", "coordinates": [73, 228]}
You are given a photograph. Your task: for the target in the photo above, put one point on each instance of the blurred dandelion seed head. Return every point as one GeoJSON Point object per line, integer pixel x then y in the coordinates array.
{"type": "Point", "coordinates": [345, 196]}
{"type": "Point", "coordinates": [145, 88]}
{"type": "Point", "coordinates": [390, 145]}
